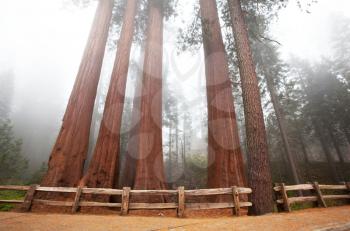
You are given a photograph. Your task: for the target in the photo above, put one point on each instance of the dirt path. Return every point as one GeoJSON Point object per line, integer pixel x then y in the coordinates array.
{"type": "Point", "coordinates": [311, 219]}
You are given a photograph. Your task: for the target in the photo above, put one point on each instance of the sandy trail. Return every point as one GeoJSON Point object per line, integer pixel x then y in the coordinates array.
{"type": "Point", "coordinates": [310, 219]}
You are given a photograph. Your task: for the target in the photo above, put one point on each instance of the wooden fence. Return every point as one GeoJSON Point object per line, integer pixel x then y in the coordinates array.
{"type": "Point", "coordinates": [125, 194]}
{"type": "Point", "coordinates": [317, 194]}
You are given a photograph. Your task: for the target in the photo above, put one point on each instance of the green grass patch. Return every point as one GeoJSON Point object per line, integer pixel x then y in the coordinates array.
{"type": "Point", "coordinates": [10, 195]}
{"type": "Point", "coordinates": [300, 206]}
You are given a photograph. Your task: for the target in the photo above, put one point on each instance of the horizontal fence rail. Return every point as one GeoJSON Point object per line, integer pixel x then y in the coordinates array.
{"type": "Point", "coordinates": [317, 194]}
{"type": "Point", "coordinates": [126, 193]}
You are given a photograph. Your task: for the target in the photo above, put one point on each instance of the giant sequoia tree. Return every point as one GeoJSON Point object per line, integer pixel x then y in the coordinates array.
{"type": "Point", "coordinates": [67, 159]}
{"type": "Point", "coordinates": [149, 167]}
{"type": "Point", "coordinates": [226, 167]}
{"type": "Point", "coordinates": [103, 169]}
{"type": "Point", "coordinates": [259, 175]}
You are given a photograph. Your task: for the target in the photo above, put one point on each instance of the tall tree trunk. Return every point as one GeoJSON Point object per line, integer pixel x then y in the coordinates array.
{"type": "Point", "coordinates": [326, 150]}
{"type": "Point", "coordinates": [66, 163]}
{"type": "Point", "coordinates": [104, 167]}
{"type": "Point", "coordinates": [259, 171]}
{"type": "Point", "coordinates": [282, 124]}
{"type": "Point", "coordinates": [150, 167]}
{"type": "Point", "coordinates": [128, 175]}
{"type": "Point", "coordinates": [226, 166]}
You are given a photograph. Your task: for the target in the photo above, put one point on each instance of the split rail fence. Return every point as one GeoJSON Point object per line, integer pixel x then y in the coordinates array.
{"type": "Point", "coordinates": [317, 191]}
{"type": "Point", "coordinates": [126, 193]}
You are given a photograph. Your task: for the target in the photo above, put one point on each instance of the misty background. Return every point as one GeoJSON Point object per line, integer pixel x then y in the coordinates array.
{"type": "Point", "coordinates": [42, 42]}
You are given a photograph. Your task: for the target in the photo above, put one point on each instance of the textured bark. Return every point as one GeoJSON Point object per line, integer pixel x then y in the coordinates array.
{"type": "Point", "coordinates": [104, 167]}
{"type": "Point", "coordinates": [282, 124]}
{"type": "Point", "coordinates": [150, 167]}
{"type": "Point", "coordinates": [226, 167]}
{"type": "Point", "coordinates": [259, 171]}
{"type": "Point", "coordinates": [66, 163]}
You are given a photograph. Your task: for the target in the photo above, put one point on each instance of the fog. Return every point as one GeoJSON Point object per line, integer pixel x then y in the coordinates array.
{"type": "Point", "coordinates": [42, 42]}
{"type": "Point", "coordinates": [307, 32]}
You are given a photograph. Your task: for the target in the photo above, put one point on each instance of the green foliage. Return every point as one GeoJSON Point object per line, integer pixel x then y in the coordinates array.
{"type": "Point", "coordinates": [6, 207]}
{"type": "Point", "coordinates": [301, 206]}
{"type": "Point", "coordinates": [196, 171]}
{"type": "Point", "coordinates": [12, 164]}
{"type": "Point", "coordinates": [168, 7]}
{"type": "Point", "coordinates": [326, 97]}
{"type": "Point", "coordinates": [10, 195]}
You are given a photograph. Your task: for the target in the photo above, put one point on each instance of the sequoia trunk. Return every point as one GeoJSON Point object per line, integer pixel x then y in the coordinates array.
{"type": "Point", "coordinates": [66, 163]}
{"type": "Point", "coordinates": [259, 171]}
{"type": "Point", "coordinates": [149, 166]}
{"type": "Point", "coordinates": [104, 167]}
{"type": "Point", "coordinates": [225, 161]}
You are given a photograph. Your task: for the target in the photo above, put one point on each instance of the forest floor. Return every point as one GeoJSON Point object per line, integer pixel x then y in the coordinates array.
{"type": "Point", "coordinates": [335, 219]}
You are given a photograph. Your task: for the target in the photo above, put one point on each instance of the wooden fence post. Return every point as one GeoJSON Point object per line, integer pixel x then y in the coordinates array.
{"type": "Point", "coordinates": [347, 184]}
{"type": "Point", "coordinates": [277, 197]}
{"type": "Point", "coordinates": [320, 199]}
{"type": "Point", "coordinates": [28, 199]}
{"type": "Point", "coordinates": [75, 206]}
{"type": "Point", "coordinates": [235, 195]}
{"type": "Point", "coordinates": [125, 201]}
{"type": "Point", "coordinates": [286, 204]}
{"type": "Point", "coordinates": [181, 201]}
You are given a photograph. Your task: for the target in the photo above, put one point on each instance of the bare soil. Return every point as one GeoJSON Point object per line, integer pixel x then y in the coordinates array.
{"type": "Point", "coordinates": [335, 218]}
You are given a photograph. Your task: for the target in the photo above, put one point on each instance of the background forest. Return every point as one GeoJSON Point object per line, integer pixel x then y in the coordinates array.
{"type": "Point", "coordinates": [304, 83]}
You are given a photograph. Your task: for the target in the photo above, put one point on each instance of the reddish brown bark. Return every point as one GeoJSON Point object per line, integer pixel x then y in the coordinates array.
{"type": "Point", "coordinates": [226, 166]}
{"type": "Point", "coordinates": [149, 167]}
{"type": "Point", "coordinates": [67, 159]}
{"type": "Point", "coordinates": [105, 162]}
{"type": "Point", "coordinates": [259, 175]}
